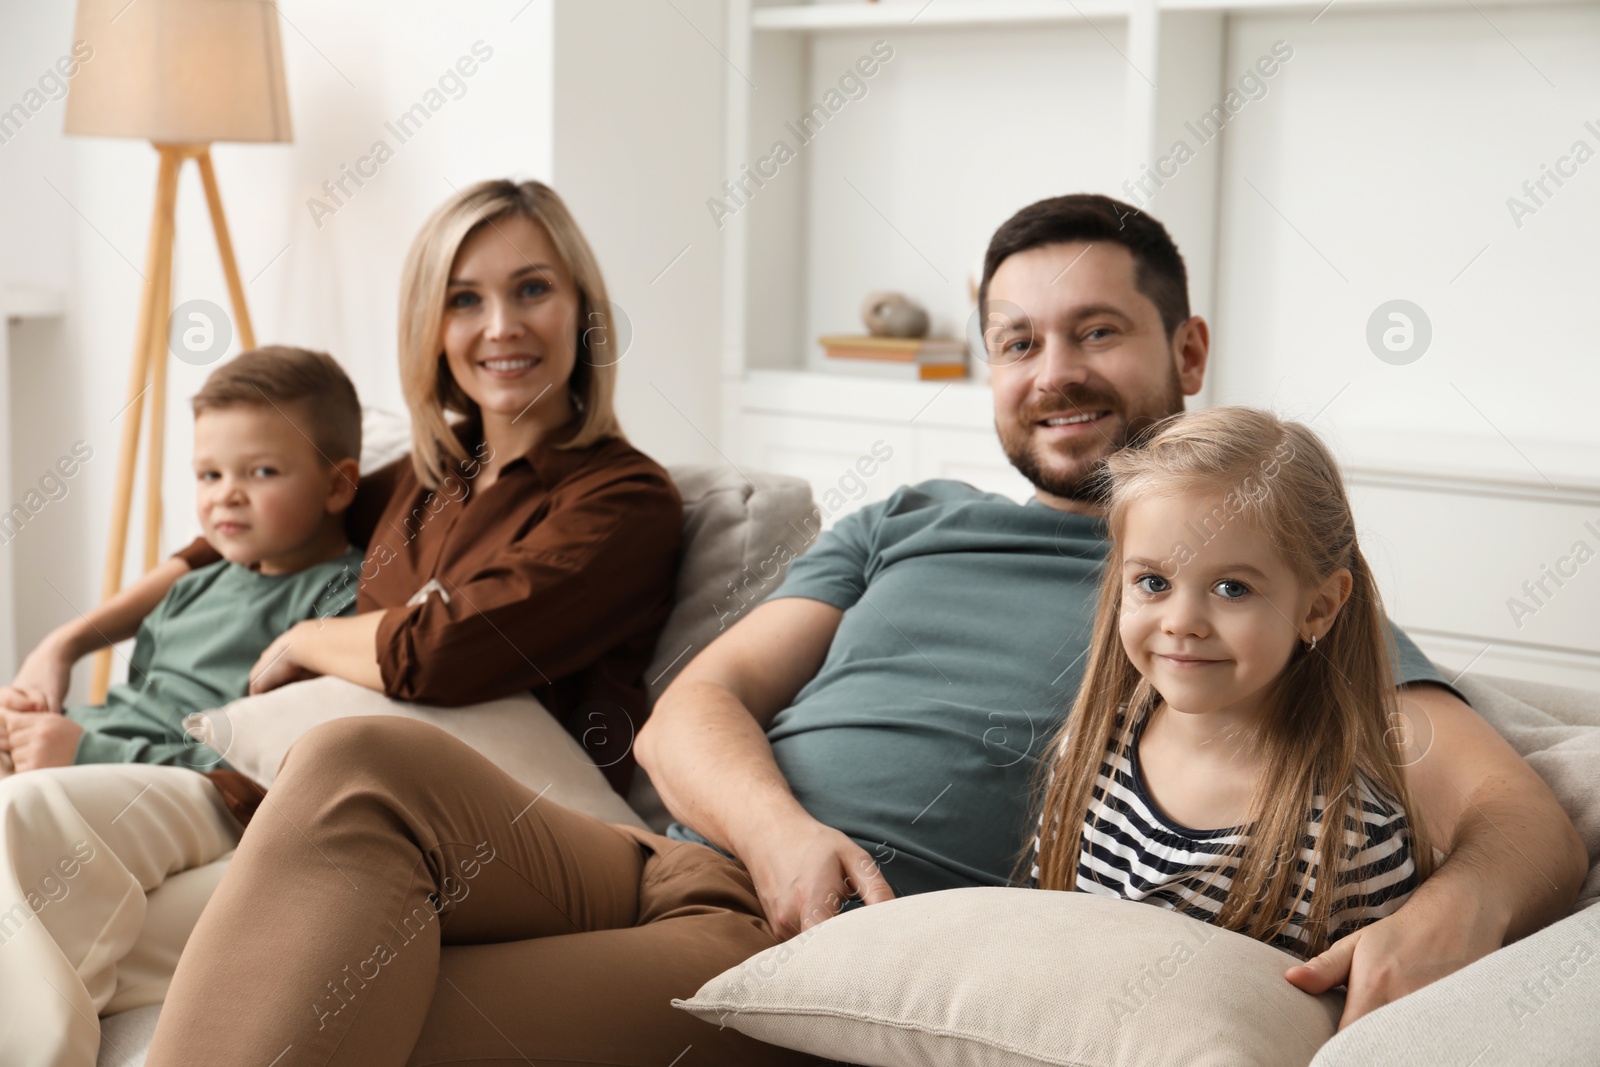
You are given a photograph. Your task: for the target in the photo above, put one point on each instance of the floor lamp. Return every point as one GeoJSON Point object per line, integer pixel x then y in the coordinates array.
{"type": "Point", "coordinates": [181, 74]}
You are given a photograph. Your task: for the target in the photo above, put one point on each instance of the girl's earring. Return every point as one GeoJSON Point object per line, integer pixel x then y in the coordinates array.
{"type": "Point", "coordinates": [1313, 643]}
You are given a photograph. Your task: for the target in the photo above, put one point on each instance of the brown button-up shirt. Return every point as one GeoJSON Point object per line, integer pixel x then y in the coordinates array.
{"type": "Point", "coordinates": [557, 579]}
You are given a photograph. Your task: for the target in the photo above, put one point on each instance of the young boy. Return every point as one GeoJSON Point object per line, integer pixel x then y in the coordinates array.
{"type": "Point", "coordinates": [277, 443]}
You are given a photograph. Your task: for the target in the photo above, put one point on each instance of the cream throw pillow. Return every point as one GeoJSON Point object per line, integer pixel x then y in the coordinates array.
{"type": "Point", "coordinates": [992, 977]}
{"type": "Point", "coordinates": [516, 734]}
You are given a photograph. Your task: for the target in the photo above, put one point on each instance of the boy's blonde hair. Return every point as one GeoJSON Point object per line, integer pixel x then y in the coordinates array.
{"type": "Point", "coordinates": [1331, 713]}
{"type": "Point", "coordinates": [281, 376]}
{"type": "Point", "coordinates": [430, 389]}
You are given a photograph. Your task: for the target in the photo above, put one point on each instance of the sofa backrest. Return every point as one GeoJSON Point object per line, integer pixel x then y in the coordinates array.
{"type": "Point", "coordinates": [740, 530]}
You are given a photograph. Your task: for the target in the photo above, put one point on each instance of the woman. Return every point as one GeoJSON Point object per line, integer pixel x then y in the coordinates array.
{"type": "Point", "coordinates": [527, 547]}
{"type": "Point", "coordinates": [423, 905]}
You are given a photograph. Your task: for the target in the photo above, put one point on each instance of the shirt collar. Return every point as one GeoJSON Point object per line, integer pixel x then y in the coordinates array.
{"type": "Point", "coordinates": [550, 465]}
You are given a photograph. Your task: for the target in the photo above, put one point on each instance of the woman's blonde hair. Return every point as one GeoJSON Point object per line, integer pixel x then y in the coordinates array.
{"type": "Point", "coordinates": [1332, 712]}
{"type": "Point", "coordinates": [430, 389]}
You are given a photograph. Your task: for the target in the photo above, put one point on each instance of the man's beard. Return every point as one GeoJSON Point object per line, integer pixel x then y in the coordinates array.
{"type": "Point", "coordinates": [1082, 480]}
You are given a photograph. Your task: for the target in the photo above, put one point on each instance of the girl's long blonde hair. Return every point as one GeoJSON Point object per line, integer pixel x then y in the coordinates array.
{"type": "Point", "coordinates": [430, 390]}
{"type": "Point", "coordinates": [1332, 712]}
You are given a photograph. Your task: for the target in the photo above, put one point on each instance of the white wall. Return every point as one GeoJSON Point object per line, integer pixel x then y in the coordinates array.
{"type": "Point", "coordinates": [637, 149]}
{"type": "Point", "coordinates": [48, 380]}
{"type": "Point", "coordinates": [1381, 164]}
{"type": "Point", "coordinates": [350, 67]}
{"type": "Point", "coordinates": [1392, 142]}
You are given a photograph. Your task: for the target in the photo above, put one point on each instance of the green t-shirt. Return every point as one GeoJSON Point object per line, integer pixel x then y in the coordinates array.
{"type": "Point", "coordinates": [967, 618]}
{"type": "Point", "coordinates": [195, 651]}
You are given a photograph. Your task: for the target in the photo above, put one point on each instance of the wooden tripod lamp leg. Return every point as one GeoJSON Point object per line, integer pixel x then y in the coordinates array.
{"type": "Point", "coordinates": [157, 435]}
{"type": "Point", "coordinates": [230, 268]}
{"type": "Point", "coordinates": [150, 343]}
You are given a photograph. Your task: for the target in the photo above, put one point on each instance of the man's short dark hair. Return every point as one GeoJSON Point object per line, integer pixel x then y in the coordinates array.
{"type": "Point", "coordinates": [278, 376]}
{"type": "Point", "coordinates": [1158, 268]}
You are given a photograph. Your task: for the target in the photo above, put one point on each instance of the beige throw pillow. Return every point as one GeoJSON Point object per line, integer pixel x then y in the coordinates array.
{"type": "Point", "coordinates": [516, 734]}
{"type": "Point", "coordinates": [992, 977]}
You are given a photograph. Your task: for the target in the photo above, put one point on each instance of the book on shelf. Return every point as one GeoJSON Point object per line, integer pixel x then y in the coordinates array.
{"type": "Point", "coordinates": [918, 358]}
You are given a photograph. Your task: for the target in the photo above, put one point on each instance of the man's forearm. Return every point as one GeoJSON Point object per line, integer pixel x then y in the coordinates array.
{"type": "Point", "coordinates": [1516, 862]}
{"type": "Point", "coordinates": [713, 766]}
{"type": "Point", "coordinates": [1517, 856]}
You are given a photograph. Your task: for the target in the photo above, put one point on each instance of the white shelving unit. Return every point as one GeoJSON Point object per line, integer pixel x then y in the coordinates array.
{"type": "Point", "coordinates": [1082, 94]}
{"type": "Point", "coordinates": [1172, 55]}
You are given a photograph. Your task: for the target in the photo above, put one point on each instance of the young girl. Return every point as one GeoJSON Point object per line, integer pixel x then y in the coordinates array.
{"type": "Point", "coordinates": [1238, 697]}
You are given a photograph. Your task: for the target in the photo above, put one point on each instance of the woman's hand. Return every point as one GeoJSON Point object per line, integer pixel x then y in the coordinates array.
{"type": "Point", "coordinates": [277, 664]}
{"type": "Point", "coordinates": [43, 679]}
{"type": "Point", "coordinates": [39, 740]}
{"type": "Point", "coordinates": [804, 871]}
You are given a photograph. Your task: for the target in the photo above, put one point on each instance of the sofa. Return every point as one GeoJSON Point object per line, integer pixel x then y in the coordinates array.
{"type": "Point", "coordinates": [734, 525]}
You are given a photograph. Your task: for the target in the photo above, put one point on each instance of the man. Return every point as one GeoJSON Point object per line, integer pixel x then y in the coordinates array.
{"type": "Point", "coordinates": [874, 728]}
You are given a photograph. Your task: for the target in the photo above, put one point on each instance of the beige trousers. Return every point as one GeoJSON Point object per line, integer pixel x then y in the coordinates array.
{"type": "Point", "coordinates": [403, 901]}
{"type": "Point", "coordinates": [104, 870]}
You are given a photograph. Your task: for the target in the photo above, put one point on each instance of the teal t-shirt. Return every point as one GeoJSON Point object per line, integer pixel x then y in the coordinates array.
{"type": "Point", "coordinates": [967, 618]}
{"type": "Point", "coordinates": [194, 651]}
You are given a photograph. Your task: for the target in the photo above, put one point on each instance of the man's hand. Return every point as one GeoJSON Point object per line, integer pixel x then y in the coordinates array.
{"type": "Point", "coordinates": [37, 741]}
{"type": "Point", "coordinates": [804, 871]}
{"type": "Point", "coordinates": [1399, 954]}
{"type": "Point", "coordinates": [1514, 862]}
{"type": "Point", "coordinates": [277, 664]}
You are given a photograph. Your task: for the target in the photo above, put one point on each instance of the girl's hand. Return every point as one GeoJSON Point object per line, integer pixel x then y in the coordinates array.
{"type": "Point", "coordinates": [37, 741]}
{"type": "Point", "coordinates": [277, 664]}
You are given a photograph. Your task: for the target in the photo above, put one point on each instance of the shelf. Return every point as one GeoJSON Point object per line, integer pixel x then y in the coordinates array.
{"type": "Point", "coordinates": [963, 403]}
{"type": "Point", "coordinates": [26, 302]}
{"type": "Point", "coordinates": [912, 13]}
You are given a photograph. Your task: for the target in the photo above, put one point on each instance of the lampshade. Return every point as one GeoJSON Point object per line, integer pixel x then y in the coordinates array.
{"type": "Point", "coordinates": [180, 72]}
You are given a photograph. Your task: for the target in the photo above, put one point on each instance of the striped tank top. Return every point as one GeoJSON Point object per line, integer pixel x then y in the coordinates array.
{"type": "Point", "coordinates": [1132, 850]}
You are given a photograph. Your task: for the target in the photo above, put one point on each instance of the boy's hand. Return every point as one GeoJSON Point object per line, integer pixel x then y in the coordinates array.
{"type": "Point", "coordinates": [21, 698]}
{"type": "Point", "coordinates": [37, 741]}
{"type": "Point", "coordinates": [45, 674]}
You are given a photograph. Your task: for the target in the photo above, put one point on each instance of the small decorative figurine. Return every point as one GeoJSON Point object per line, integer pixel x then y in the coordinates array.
{"type": "Point", "coordinates": [893, 315]}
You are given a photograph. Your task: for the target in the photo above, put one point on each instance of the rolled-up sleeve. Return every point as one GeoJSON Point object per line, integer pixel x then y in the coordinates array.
{"type": "Point", "coordinates": [593, 571]}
